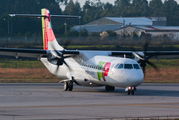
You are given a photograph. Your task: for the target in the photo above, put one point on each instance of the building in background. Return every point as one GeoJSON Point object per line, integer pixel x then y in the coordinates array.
{"type": "Point", "coordinates": [112, 23]}
{"type": "Point", "coordinates": [156, 26]}
{"type": "Point", "coordinates": [170, 31]}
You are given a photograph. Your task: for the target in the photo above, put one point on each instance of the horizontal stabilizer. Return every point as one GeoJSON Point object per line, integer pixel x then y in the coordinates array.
{"type": "Point", "coordinates": [65, 16]}
{"type": "Point", "coordinates": [39, 16]}
{"type": "Point", "coordinates": [27, 15]}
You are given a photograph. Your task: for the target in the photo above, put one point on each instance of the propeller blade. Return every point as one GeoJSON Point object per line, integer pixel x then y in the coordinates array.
{"type": "Point", "coordinates": [146, 45]}
{"type": "Point", "coordinates": [144, 59]}
{"type": "Point", "coordinates": [152, 65]}
{"type": "Point", "coordinates": [138, 55]}
{"type": "Point", "coordinates": [150, 56]}
{"type": "Point", "coordinates": [140, 61]}
{"type": "Point", "coordinates": [143, 68]}
{"type": "Point", "coordinates": [67, 65]}
{"type": "Point", "coordinates": [59, 54]}
{"type": "Point", "coordinates": [143, 65]}
{"type": "Point", "coordinates": [58, 67]}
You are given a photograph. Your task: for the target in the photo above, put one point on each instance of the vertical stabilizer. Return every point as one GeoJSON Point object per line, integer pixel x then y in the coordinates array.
{"type": "Point", "coordinates": [49, 40]}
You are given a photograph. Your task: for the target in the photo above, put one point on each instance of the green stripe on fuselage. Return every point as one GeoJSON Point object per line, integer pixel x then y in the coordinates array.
{"type": "Point", "coordinates": [100, 70]}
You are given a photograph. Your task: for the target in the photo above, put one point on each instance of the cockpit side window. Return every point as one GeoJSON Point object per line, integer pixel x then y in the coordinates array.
{"type": "Point", "coordinates": [116, 66]}
{"type": "Point", "coordinates": [120, 66]}
{"type": "Point", "coordinates": [136, 66]}
{"type": "Point", "coordinates": [128, 66]}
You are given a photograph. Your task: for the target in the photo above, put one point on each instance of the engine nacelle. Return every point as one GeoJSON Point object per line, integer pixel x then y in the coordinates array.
{"type": "Point", "coordinates": [54, 58]}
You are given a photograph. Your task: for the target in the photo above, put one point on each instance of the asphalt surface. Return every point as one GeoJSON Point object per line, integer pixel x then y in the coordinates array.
{"type": "Point", "coordinates": [49, 101]}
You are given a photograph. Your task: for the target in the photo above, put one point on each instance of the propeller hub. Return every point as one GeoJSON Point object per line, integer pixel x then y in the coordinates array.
{"type": "Point", "coordinates": [142, 58]}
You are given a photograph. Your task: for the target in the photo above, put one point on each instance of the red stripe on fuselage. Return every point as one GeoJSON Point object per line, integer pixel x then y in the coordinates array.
{"type": "Point", "coordinates": [106, 70]}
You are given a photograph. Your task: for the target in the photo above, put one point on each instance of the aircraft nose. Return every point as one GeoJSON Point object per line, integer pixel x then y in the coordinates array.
{"type": "Point", "coordinates": [136, 78]}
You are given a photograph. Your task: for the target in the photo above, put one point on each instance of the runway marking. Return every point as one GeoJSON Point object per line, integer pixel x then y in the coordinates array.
{"type": "Point", "coordinates": [164, 105]}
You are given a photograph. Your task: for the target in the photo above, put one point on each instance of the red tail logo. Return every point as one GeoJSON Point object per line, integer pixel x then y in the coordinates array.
{"type": "Point", "coordinates": [48, 35]}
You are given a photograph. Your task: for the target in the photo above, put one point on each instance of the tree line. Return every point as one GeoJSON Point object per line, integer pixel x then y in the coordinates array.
{"type": "Point", "coordinates": [90, 11]}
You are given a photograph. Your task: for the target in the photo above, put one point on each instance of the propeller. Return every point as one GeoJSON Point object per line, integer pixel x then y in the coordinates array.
{"type": "Point", "coordinates": [59, 57]}
{"type": "Point", "coordinates": [144, 59]}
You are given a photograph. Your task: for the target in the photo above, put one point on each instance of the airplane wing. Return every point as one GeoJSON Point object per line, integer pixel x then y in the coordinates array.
{"type": "Point", "coordinates": [38, 53]}
{"type": "Point", "coordinates": [148, 53]}
{"type": "Point", "coordinates": [17, 52]}
{"type": "Point", "coordinates": [34, 53]}
{"type": "Point", "coordinates": [154, 53]}
{"type": "Point", "coordinates": [158, 53]}
{"type": "Point", "coordinates": [129, 53]}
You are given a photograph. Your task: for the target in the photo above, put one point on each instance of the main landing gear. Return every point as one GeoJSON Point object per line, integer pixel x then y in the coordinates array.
{"type": "Point", "coordinates": [109, 88]}
{"type": "Point", "coordinates": [131, 90]}
{"type": "Point", "coordinates": [68, 86]}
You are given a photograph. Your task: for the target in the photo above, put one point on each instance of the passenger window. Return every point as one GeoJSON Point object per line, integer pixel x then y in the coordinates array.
{"type": "Point", "coordinates": [128, 66]}
{"type": "Point", "coordinates": [120, 66]}
{"type": "Point", "coordinates": [136, 66]}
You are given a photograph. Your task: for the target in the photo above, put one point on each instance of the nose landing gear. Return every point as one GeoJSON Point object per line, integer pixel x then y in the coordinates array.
{"type": "Point", "coordinates": [131, 90]}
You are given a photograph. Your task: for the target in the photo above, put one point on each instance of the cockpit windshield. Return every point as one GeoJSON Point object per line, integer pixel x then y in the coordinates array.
{"type": "Point", "coordinates": [128, 66]}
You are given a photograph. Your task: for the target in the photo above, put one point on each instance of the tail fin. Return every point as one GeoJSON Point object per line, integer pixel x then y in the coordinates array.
{"type": "Point", "coordinates": [49, 40]}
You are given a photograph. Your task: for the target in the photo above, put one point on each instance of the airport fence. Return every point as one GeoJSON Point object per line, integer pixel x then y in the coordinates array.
{"type": "Point", "coordinates": [37, 41]}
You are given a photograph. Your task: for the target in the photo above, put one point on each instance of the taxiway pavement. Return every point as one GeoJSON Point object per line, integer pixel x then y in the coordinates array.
{"type": "Point", "coordinates": [48, 101]}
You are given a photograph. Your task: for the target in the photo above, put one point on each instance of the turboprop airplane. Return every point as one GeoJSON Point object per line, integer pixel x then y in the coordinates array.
{"type": "Point", "coordinates": [87, 68]}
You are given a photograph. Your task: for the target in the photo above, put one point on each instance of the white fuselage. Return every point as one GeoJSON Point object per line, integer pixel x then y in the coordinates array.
{"type": "Point", "coordinates": [100, 71]}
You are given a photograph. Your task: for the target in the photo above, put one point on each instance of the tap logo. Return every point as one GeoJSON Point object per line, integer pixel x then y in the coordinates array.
{"type": "Point", "coordinates": [103, 69]}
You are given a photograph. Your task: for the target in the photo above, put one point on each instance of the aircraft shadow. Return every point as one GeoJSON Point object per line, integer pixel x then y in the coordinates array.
{"type": "Point", "coordinates": [139, 92]}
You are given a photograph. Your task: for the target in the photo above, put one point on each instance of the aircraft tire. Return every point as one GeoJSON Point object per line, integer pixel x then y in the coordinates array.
{"type": "Point", "coordinates": [65, 87]}
{"type": "Point", "coordinates": [107, 88]}
{"type": "Point", "coordinates": [132, 92]}
{"type": "Point", "coordinates": [129, 92]}
{"type": "Point", "coordinates": [112, 88]}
